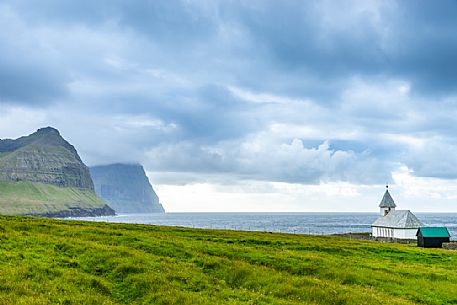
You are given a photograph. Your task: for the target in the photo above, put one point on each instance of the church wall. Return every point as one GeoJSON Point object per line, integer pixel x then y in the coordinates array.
{"type": "Point", "coordinates": [374, 231]}
{"type": "Point", "coordinates": [393, 233]}
{"type": "Point", "coordinates": [382, 232]}
{"type": "Point", "coordinates": [405, 233]}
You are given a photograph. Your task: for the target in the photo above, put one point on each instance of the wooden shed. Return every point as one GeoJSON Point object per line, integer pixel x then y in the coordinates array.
{"type": "Point", "coordinates": [432, 237]}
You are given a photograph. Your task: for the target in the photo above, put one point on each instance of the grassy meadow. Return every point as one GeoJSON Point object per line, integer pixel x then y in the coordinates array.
{"type": "Point", "coordinates": [47, 261]}
{"type": "Point", "coordinates": [19, 198]}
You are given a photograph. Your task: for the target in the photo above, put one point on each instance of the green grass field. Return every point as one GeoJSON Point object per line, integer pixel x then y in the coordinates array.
{"type": "Point", "coordinates": [18, 198]}
{"type": "Point", "coordinates": [45, 261]}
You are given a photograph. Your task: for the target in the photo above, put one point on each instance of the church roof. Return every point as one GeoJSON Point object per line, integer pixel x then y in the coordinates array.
{"type": "Point", "coordinates": [387, 201]}
{"type": "Point", "coordinates": [402, 219]}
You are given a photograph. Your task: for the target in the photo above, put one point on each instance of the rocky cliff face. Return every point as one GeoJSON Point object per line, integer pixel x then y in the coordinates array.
{"type": "Point", "coordinates": [45, 157]}
{"type": "Point", "coordinates": [30, 165]}
{"type": "Point", "coordinates": [126, 188]}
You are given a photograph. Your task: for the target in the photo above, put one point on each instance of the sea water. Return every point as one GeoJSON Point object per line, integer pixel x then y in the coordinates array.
{"type": "Point", "coordinates": [295, 223]}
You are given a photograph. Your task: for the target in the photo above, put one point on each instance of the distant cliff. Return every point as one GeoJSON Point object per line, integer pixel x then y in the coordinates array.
{"type": "Point", "coordinates": [126, 188]}
{"type": "Point", "coordinates": [42, 174]}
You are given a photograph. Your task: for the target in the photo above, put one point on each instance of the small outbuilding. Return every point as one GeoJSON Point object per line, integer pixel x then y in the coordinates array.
{"type": "Point", "coordinates": [432, 237]}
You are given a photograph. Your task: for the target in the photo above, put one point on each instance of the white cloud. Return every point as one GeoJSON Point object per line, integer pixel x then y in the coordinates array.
{"type": "Point", "coordinates": [409, 192]}
{"type": "Point", "coordinates": [17, 121]}
{"type": "Point", "coordinates": [268, 158]}
{"type": "Point", "coordinates": [260, 98]}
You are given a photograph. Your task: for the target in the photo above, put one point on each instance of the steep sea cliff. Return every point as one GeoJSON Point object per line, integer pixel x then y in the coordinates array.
{"type": "Point", "coordinates": [126, 188]}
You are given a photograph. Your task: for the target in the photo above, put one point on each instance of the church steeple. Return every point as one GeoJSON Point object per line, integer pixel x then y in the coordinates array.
{"type": "Point", "coordinates": [387, 203]}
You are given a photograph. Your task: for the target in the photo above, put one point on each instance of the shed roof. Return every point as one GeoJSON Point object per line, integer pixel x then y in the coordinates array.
{"type": "Point", "coordinates": [387, 201]}
{"type": "Point", "coordinates": [434, 232]}
{"type": "Point", "coordinates": [402, 219]}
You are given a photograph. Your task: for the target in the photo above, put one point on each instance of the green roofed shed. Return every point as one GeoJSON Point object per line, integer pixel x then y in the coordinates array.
{"type": "Point", "coordinates": [432, 237]}
{"type": "Point", "coordinates": [434, 232]}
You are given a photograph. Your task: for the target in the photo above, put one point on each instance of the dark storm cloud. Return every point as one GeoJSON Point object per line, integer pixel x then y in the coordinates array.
{"type": "Point", "coordinates": [204, 115]}
{"type": "Point", "coordinates": [403, 39]}
{"type": "Point", "coordinates": [218, 116]}
{"type": "Point", "coordinates": [28, 84]}
{"type": "Point", "coordinates": [424, 45]}
{"type": "Point", "coordinates": [172, 21]}
{"type": "Point", "coordinates": [271, 90]}
{"type": "Point", "coordinates": [28, 73]}
{"type": "Point", "coordinates": [396, 39]}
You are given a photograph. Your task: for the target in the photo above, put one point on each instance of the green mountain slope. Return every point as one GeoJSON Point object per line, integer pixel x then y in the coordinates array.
{"type": "Point", "coordinates": [33, 198]}
{"type": "Point", "coordinates": [42, 174]}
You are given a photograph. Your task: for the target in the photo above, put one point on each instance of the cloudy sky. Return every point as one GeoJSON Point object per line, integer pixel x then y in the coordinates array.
{"type": "Point", "coordinates": [245, 105]}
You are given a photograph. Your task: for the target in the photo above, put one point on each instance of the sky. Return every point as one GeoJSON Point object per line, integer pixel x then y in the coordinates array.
{"type": "Point", "coordinates": [245, 105]}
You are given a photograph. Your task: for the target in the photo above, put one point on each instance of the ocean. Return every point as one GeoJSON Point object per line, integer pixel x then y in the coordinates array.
{"type": "Point", "coordinates": [295, 223]}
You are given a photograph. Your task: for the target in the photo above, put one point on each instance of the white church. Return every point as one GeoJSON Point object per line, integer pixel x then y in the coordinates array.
{"type": "Point", "coordinates": [401, 224]}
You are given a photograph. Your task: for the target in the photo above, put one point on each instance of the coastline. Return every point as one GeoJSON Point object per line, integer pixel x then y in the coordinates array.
{"type": "Point", "coordinates": [293, 223]}
{"type": "Point", "coordinates": [77, 213]}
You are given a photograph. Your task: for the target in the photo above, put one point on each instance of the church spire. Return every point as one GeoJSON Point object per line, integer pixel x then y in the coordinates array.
{"type": "Point", "coordinates": [387, 200]}
{"type": "Point", "coordinates": [387, 203]}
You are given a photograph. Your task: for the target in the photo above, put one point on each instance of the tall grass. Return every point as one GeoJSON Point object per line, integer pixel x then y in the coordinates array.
{"type": "Point", "coordinates": [44, 261]}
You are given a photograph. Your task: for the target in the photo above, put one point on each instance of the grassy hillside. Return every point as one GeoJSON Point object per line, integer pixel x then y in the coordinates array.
{"type": "Point", "coordinates": [18, 198]}
{"type": "Point", "coordinates": [45, 261]}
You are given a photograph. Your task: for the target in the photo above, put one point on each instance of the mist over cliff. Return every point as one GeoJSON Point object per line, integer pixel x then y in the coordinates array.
{"type": "Point", "coordinates": [126, 188]}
